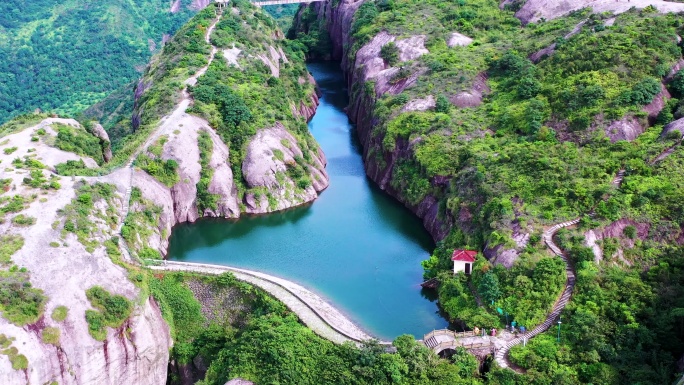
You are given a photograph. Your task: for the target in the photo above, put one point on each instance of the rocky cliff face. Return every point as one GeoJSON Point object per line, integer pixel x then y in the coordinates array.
{"type": "Point", "coordinates": [63, 266]}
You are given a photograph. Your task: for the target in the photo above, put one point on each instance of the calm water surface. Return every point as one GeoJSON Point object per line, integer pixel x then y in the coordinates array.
{"type": "Point", "coordinates": [354, 245]}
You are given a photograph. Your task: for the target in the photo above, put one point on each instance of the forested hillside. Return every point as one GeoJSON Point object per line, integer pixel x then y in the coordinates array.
{"type": "Point", "coordinates": [64, 56]}
{"type": "Point", "coordinates": [493, 131]}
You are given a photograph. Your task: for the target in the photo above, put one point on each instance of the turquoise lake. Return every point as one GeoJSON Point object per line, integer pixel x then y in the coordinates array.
{"type": "Point", "coordinates": [354, 245]}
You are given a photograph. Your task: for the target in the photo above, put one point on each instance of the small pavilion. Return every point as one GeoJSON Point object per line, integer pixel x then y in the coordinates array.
{"type": "Point", "coordinates": [463, 260]}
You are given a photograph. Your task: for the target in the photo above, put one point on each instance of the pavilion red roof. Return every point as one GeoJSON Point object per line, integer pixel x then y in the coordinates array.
{"type": "Point", "coordinates": [464, 255]}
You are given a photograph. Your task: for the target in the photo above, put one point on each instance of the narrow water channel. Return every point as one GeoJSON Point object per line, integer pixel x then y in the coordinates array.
{"type": "Point", "coordinates": [354, 245]}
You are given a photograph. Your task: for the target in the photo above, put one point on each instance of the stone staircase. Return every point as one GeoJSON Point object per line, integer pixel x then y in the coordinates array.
{"type": "Point", "coordinates": [126, 201]}
{"type": "Point", "coordinates": [431, 342]}
{"type": "Point", "coordinates": [617, 181]}
{"type": "Point", "coordinates": [561, 302]}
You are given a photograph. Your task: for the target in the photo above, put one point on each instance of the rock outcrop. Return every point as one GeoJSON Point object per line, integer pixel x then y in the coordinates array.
{"type": "Point", "coordinates": [627, 128]}
{"type": "Point", "coordinates": [459, 40]}
{"type": "Point", "coordinates": [100, 132]}
{"type": "Point", "coordinates": [535, 10]}
{"type": "Point", "coordinates": [63, 268]}
{"type": "Point", "coordinates": [472, 97]}
{"type": "Point", "coordinates": [271, 155]}
{"type": "Point", "coordinates": [677, 125]}
{"type": "Point", "coordinates": [615, 230]}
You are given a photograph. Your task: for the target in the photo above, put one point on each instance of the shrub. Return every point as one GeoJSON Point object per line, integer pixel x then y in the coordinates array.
{"type": "Point", "coordinates": [676, 85]}
{"type": "Point", "coordinates": [60, 313]}
{"type": "Point", "coordinates": [79, 142]}
{"type": "Point", "coordinates": [113, 311]}
{"type": "Point", "coordinates": [20, 303]}
{"type": "Point", "coordinates": [9, 150]}
{"type": "Point", "coordinates": [149, 253]}
{"type": "Point", "coordinates": [630, 232]}
{"type": "Point", "coordinates": [390, 53]}
{"type": "Point", "coordinates": [14, 205]}
{"type": "Point", "coordinates": [23, 220]}
{"type": "Point", "coordinates": [442, 104]}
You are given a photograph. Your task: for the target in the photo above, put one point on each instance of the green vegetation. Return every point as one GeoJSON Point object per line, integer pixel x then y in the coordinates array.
{"type": "Point", "coordinates": [77, 55]}
{"type": "Point", "coordinates": [28, 163]}
{"type": "Point", "coordinates": [23, 220]}
{"type": "Point", "coordinates": [18, 361]}
{"type": "Point", "coordinates": [239, 101]}
{"type": "Point", "coordinates": [60, 313]}
{"type": "Point", "coordinates": [13, 204]}
{"type": "Point", "coordinates": [205, 199]}
{"type": "Point", "coordinates": [112, 311]}
{"type": "Point", "coordinates": [37, 180]}
{"type": "Point", "coordinates": [390, 53]}
{"type": "Point", "coordinates": [140, 225]}
{"type": "Point", "coordinates": [313, 33]}
{"type": "Point", "coordinates": [77, 214]}
{"type": "Point", "coordinates": [5, 185]}
{"type": "Point", "coordinates": [20, 303]}
{"type": "Point", "coordinates": [75, 167]}
{"type": "Point", "coordinates": [20, 122]}
{"type": "Point", "coordinates": [9, 244]}
{"type": "Point", "coordinates": [9, 150]}
{"type": "Point", "coordinates": [537, 151]}
{"type": "Point", "coordinates": [164, 171]}
{"type": "Point", "coordinates": [265, 343]}
{"type": "Point", "coordinates": [78, 141]}
{"type": "Point", "coordinates": [50, 336]}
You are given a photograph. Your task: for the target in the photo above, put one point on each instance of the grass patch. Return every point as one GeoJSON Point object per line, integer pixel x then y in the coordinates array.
{"type": "Point", "coordinates": [165, 171]}
{"type": "Point", "coordinates": [78, 141]}
{"type": "Point", "coordinates": [5, 185]}
{"type": "Point", "coordinates": [9, 244]}
{"type": "Point", "coordinates": [50, 336]}
{"type": "Point", "coordinates": [20, 303]}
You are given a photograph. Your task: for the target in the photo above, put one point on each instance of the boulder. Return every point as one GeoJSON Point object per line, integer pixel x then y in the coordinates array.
{"type": "Point", "coordinates": [677, 125]}
{"type": "Point", "coordinates": [420, 104]}
{"type": "Point", "coordinates": [270, 153]}
{"type": "Point", "coordinates": [473, 96]}
{"type": "Point", "coordinates": [627, 128]}
{"type": "Point", "coordinates": [458, 40]}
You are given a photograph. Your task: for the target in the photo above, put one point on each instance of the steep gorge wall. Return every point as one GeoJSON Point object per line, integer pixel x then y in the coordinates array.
{"type": "Point", "coordinates": [365, 66]}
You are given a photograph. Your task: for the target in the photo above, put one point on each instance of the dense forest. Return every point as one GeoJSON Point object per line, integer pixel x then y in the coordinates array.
{"type": "Point", "coordinates": [63, 56]}
{"type": "Point", "coordinates": [540, 148]}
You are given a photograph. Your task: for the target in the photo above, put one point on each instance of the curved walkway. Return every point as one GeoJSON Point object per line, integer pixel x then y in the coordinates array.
{"type": "Point", "coordinates": [501, 355]}
{"type": "Point", "coordinates": [314, 311]}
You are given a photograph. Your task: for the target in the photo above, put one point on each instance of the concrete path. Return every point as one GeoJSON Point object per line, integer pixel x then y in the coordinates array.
{"type": "Point", "coordinates": [321, 317]}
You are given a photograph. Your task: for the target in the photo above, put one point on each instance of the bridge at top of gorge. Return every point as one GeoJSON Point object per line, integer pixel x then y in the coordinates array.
{"type": "Point", "coordinates": [261, 3]}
